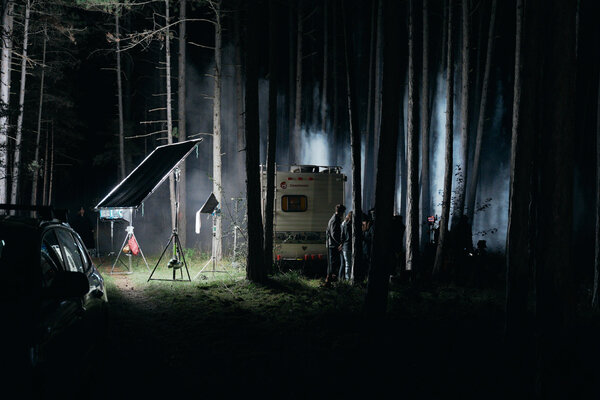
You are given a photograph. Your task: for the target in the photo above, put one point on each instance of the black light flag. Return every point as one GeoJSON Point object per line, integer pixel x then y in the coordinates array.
{"type": "Point", "coordinates": [147, 176]}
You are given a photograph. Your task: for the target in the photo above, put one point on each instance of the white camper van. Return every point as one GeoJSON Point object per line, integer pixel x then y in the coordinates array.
{"type": "Point", "coordinates": [305, 199]}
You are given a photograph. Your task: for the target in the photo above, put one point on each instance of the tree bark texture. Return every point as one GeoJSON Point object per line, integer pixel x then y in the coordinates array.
{"type": "Point", "coordinates": [325, 67]}
{"type": "Point", "coordinates": [377, 113]}
{"type": "Point", "coordinates": [425, 208]}
{"type": "Point", "coordinates": [464, 115]}
{"type": "Point", "coordinates": [474, 176]}
{"type": "Point", "coordinates": [45, 176]}
{"type": "Point", "coordinates": [16, 171]}
{"type": "Point", "coordinates": [402, 177]}
{"type": "Point", "coordinates": [255, 270]}
{"type": "Point", "coordinates": [122, 173]}
{"type": "Point", "coordinates": [36, 159]}
{"type": "Point", "coordinates": [51, 179]}
{"type": "Point", "coordinates": [298, 103]}
{"type": "Point", "coordinates": [369, 131]}
{"type": "Point", "coordinates": [596, 290]}
{"type": "Point", "coordinates": [553, 33]}
{"type": "Point", "coordinates": [357, 274]}
{"type": "Point", "coordinates": [518, 261]}
{"type": "Point", "coordinates": [272, 137]}
{"type": "Point", "coordinates": [239, 90]}
{"type": "Point", "coordinates": [217, 139]}
{"type": "Point", "coordinates": [291, 82]}
{"type": "Point", "coordinates": [441, 245]}
{"type": "Point", "coordinates": [169, 110]}
{"type": "Point", "coordinates": [181, 119]}
{"type": "Point", "coordinates": [7, 48]}
{"type": "Point", "coordinates": [377, 290]}
{"type": "Point", "coordinates": [412, 210]}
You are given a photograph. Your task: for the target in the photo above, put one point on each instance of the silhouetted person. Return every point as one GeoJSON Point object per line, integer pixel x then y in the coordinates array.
{"type": "Point", "coordinates": [83, 226]}
{"type": "Point", "coordinates": [346, 264]}
{"type": "Point", "coordinates": [334, 243]}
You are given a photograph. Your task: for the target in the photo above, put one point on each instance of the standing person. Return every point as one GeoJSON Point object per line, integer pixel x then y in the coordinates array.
{"type": "Point", "coordinates": [346, 264]}
{"type": "Point", "coordinates": [83, 226]}
{"type": "Point", "coordinates": [367, 242]}
{"type": "Point", "coordinates": [334, 243]}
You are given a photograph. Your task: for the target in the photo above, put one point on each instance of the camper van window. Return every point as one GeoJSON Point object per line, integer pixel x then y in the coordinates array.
{"type": "Point", "coordinates": [293, 203]}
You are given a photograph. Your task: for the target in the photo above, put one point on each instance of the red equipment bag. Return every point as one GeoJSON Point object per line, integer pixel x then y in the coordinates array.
{"type": "Point", "coordinates": [133, 246]}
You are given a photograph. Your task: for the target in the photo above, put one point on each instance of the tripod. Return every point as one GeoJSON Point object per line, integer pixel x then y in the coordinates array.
{"type": "Point", "coordinates": [213, 259]}
{"type": "Point", "coordinates": [129, 235]}
{"type": "Point", "coordinates": [174, 263]}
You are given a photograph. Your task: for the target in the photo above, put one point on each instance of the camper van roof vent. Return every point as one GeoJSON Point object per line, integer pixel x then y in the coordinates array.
{"type": "Point", "coordinates": [304, 168]}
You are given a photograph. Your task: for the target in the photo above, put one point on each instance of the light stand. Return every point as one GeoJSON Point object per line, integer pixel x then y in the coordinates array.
{"type": "Point", "coordinates": [175, 263]}
{"type": "Point", "coordinates": [213, 258]}
{"type": "Point", "coordinates": [128, 236]}
{"type": "Point", "coordinates": [211, 206]}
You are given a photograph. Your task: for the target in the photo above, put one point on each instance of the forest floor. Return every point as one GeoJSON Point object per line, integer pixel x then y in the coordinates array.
{"type": "Point", "coordinates": [291, 338]}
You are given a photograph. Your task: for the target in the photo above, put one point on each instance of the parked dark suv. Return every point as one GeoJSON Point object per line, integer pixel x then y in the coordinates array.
{"type": "Point", "coordinates": [53, 304]}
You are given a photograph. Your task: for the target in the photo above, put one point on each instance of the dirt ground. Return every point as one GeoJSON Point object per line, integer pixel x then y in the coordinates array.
{"type": "Point", "coordinates": [214, 342]}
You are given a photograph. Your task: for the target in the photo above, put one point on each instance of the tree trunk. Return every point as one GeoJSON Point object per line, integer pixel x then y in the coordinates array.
{"type": "Point", "coordinates": [596, 291]}
{"type": "Point", "coordinates": [291, 83]}
{"type": "Point", "coordinates": [16, 172]}
{"type": "Point", "coordinates": [335, 125]}
{"type": "Point", "coordinates": [355, 145]}
{"type": "Point", "coordinates": [181, 116]}
{"type": "Point", "coordinates": [51, 180]}
{"type": "Point", "coordinates": [425, 123]}
{"type": "Point", "coordinates": [402, 173]}
{"type": "Point", "coordinates": [172, 198]}
{"type": "Point", "coordinates": [459, 208]}
{"type": "Point", "coordinates": [7, 48]}
{"type": "Point", "coordinates": [553, 34]}
{"type": "Point", "coordinates": [441, 245]}
{"type": "Point", "coordinates": [412, 210]}
{"type": "Point", "coordinates": [255, 269]}
{"type": "Point", "coordinates": [377, 113]}
{"type": "Point", "coordinates": [45, 182]}
{"type": "Point", "coordinates": [474, 177]}
{"type": "Point", "coordinates": [239, 92]}
{"type": "Point", "coordinates": [368, 123]}
{"type": "Point", "coordinates": [517, 245]}
{"type": "Point", "coordinates": [120, 98]}
{"type": "Point", "coordinates": [377, 290]}
{"type": "Point", "coordinates": [325, 69]}
{"type": "Point", "coordinates": [217, 162]}
{"type": "Point", "coordinates": [444, 48]}
{"type": "Point", "coordinates": [36, 159]}
{"type": "Point", "coordinates": [272, 138]}
{"type": "Point", "coordinates": [298, 109]}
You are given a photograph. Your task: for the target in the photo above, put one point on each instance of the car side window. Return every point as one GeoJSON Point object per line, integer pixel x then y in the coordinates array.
{"type": "Point", "coordinates": [73, 257]}
{"type": "Point", "coordinates": [49, 269]}
{"type": "Point", "coordinates": [83, 252]}
{"type": "Point", "coordinates": [51, 248]}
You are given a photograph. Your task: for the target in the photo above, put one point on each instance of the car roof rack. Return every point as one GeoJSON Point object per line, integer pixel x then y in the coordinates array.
{"type": "Point", "coordinates": [43, 212]}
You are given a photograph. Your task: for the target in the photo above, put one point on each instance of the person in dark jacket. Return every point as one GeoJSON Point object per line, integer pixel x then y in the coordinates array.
{"type": "Point", "coordinates": [83, 226]}
{"type": "Point", "coordinates": [367, 242]}
{"type": "Point", "coordinates": [334, 243]}
{"type": "Point", "coordinates": [346, 264]}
